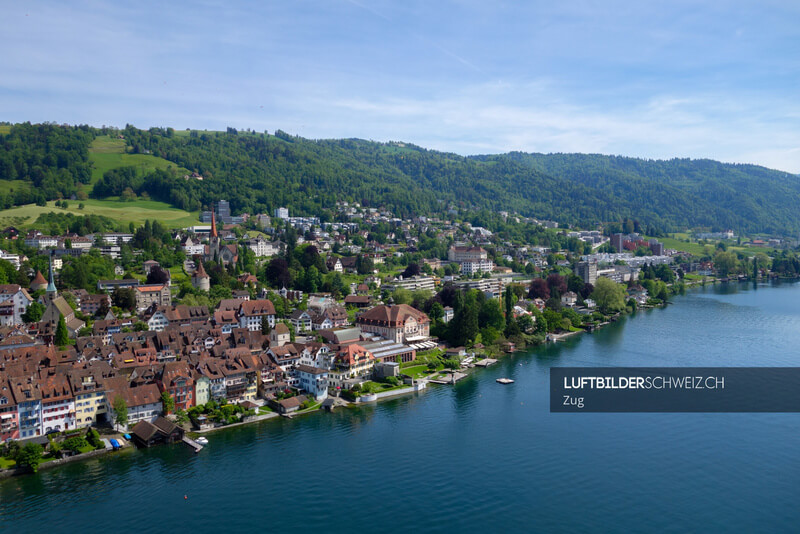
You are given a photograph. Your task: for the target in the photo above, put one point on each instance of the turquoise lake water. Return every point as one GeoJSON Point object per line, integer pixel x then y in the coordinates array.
{"type": "Point", "coordinates": [478, 456]}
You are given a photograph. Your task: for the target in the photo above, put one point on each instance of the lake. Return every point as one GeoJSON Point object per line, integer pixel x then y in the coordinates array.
{"type": "Point", "coordinates": [478, 456]}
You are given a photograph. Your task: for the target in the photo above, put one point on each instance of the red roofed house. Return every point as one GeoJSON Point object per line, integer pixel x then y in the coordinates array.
{"type": "Point", "coordinates": [146, 296]}
{"type": "Point", "coordinates": [9, 416]}
{"type": "Point", "coordinates": [352, 361]}
{"type": "Point", "coordinates": [177, 380]}
{"type": "Point", "coordinates": [252, 311]}
{"type": "Point", "coordinates": [400, 323]}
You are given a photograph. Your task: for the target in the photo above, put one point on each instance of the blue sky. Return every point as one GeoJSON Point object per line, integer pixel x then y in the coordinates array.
{"type": "Point", "coordinates": [648, 79]}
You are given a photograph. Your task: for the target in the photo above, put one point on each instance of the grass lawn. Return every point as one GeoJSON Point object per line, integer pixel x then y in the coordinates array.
{"type": "Point", "coordinates": [313, 407]}
{"type": "Point", "coordinates": [425, 353]}
{"type": "Point", "coordinates": [177, 274]}
{"type": "Point", "coordinates": [106, 153]}
{"type": "Point", "coordinates": [697, 277]}
{"type": "Point", "coordinates": [265, 409]}
{"type": "Point", "coordinates": [693, 247]}
{"type": "Point", "coordinates": [85, 449]}
{"type": "Point", "coordinates": [377, 387]}
{"type": "Point", "coordinates": [6, 463]}
{"type": "Point", "coordinates": [7, 186]}
{"type": "Point", "coordinates": [417, 371]}
{"type": "Point", "coordinates": [125, 212]}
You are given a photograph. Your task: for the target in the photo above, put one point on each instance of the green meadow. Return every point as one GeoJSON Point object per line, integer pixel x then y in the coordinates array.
{"type": "Point", "coordinates": [106, 153]}
{"type": "Point", "coordinates": [126, 212]}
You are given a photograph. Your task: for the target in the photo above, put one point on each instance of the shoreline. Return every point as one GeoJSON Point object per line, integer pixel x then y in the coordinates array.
{"type": "Point", "coordinates": [467, 371]}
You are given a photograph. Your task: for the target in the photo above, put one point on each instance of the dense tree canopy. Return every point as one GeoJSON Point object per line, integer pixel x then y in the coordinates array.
{"type": "Point", "coordinates": [258, 172]}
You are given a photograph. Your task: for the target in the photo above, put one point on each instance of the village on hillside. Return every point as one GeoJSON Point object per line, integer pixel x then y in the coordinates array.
{"type": "Point", "coordinates": [242, 316]}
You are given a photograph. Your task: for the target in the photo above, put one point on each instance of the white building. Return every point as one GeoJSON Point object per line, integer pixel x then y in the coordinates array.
{"type": "Point", "coordinates": [251, 313]}
{"type": "Point", "coordinates": [263, 248]}
{"type": "Point", "coordinates": [115, 238]}
{"type": "Point", "coordinates": [144, 403]}
{"type": "Point", "coordinates": [11, 258]}
{"type": "Point", "coordinates": [14, 302]}
{"type": "Point", "coordinates": [471, 259]}
{"type": "Point", "coordinates": [312, 380]}
{"type": "Point", "coordinates": [193, 247]}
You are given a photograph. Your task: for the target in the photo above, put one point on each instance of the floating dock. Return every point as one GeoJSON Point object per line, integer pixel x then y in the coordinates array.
{"type": "Point", "coordinates": [505, 381]}
{"type": "Point", "coordinates": [486, 362]}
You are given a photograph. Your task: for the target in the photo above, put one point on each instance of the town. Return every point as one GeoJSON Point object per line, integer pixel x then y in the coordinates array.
{"type": "Point", "coordinates": [245, 317]}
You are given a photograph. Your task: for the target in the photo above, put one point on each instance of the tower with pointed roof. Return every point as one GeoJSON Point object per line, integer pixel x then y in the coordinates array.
{"type": "Point", "coordinates": [51, 286]}
{"type": "Point", "coordinates": [213, 242]}
{"type": "Point", "coordinates": [39, 282]}
{"type": "Point", "coordinates": [200, 279]}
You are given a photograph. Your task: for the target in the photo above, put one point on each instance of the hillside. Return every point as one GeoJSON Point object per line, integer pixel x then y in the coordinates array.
{"type": "Point", "coordinates": [258, 172]}
{"type": "Point", "coordinates": [122, 212]}
{"type": "Point", "coordinates": [707, 193]}
{"type": "Point", "coordinates": [106, 153]}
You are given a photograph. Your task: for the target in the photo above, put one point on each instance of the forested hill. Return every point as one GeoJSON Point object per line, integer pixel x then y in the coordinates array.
{"type": "Point", "coordinates": [724, 195]}
{"type": "Point", "coordinates": [257, 172]}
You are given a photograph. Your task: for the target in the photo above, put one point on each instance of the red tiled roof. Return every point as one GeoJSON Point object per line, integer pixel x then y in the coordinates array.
{"type": "Point", "coordinates": [393, 316]}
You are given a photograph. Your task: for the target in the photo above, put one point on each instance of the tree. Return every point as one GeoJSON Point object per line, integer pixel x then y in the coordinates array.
{"type": "Point", "coordinates": [364, 265]}
{"type": "Point", "coordinates": [62, 335]}
{"type": "Point", "coordinates": [411, 270]}
{"type": "Point", "coordinates": [539, 289]}
{"type": "Point", "coordinates": [29, 456]}
{"type": "Point", "coordinates": [157, 275]}
{"type": "Point", "coordinates": [402, 296]}
{"type": "Point", "coordinates": [525, 323]}
{"type": "Point", "coordinates": [552, 319]}
{"type": "Point", "coordinates": [120, 411]}
{"type": "Point", "coordinates": [510, 300]}
{"type": "Point", "coordinates": [75, 443]}
{"type": "Point", "coordinates": [557, 285]}
{"type": "Point", "coordinates": [609, 295]}
{"type": "Point", "coordinates": [491, 315]}
{"type": "Point", "coordinates": [181, 417]}
{"type": "Point", "coordinates": [464, 326]}
{"type": "Point", "coordinates": [167, 402]}
{"type": "Point", "coordinates": [726, 263]}
{"type": "Point", "coordinates": [125, 298]}
{"type": "Point", "coordinates": [277, 273]}
{"type": "Point", "coordinates": [436, 312]}
{"type": "Point", "coordinates": [34, 312]}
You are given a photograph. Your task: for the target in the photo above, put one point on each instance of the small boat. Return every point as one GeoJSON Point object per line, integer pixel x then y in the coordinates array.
{"type": "Point", "coordinates": [202, 441]}
{"type": "Point", "coordinates": [505, 381]}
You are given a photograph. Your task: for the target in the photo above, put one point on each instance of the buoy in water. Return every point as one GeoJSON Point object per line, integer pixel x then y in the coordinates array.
{"type": "Point", "coordinates": [185, 497]}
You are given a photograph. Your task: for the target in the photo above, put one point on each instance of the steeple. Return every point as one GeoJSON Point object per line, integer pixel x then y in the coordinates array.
{"type": "Point", "coordinates": [213, 225]}
{"type": "Point", "coordinates": [51, 286]}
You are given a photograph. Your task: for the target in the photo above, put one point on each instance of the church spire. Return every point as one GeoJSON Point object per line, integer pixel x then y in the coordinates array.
{"type": "Point", "coordinates": [213, 225]}
{"type": "Point", "coordinates": [51, 286]}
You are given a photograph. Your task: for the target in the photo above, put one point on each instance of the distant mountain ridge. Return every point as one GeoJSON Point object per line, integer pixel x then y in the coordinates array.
{"type": "Point", "coordinates": [258, 172]}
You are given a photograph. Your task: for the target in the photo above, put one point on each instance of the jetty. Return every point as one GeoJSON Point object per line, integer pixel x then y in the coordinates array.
{"type": "Point", "coordinates": [192, 443]}
{"type": "Point", "coordinates": [453, 378]}
{"type": "Point", "coordinates": [486, 362]}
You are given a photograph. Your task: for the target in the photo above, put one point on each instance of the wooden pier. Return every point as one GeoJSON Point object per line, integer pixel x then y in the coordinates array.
{"type": "Point", "coordinates": [192, 443]}
{"type": "Point", "coordinates": [486, 363]}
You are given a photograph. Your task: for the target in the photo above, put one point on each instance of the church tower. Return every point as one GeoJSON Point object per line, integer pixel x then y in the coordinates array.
{"type": "Point", "coordinates": [51, 286]}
